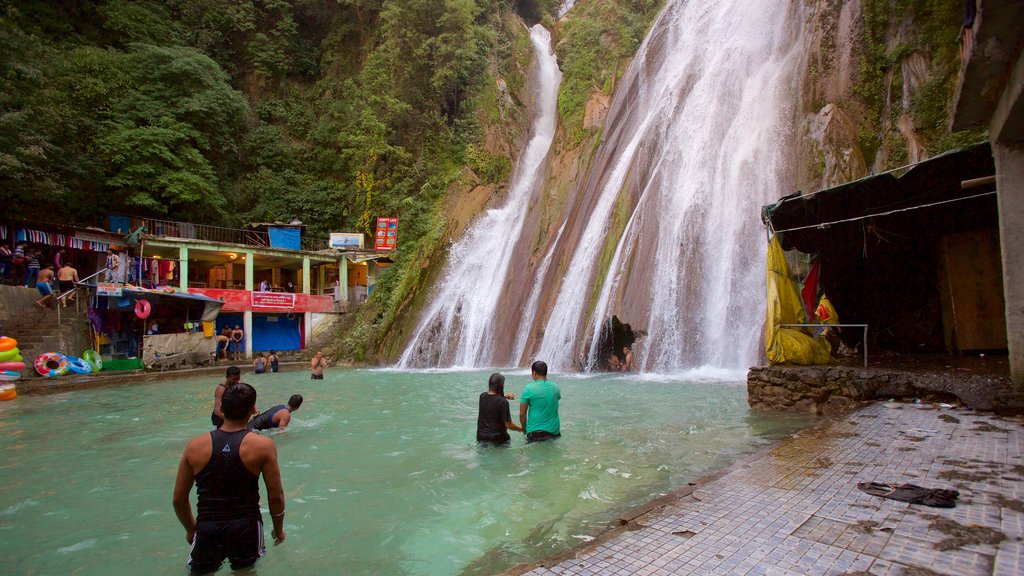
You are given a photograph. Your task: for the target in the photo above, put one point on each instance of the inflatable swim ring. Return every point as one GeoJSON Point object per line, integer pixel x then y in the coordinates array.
{"type": "Point", "coordinates": [143, 308]}
{"type": "Point", "coordinates": [7, 344]}
{"type": "Point", "coordinates": [15, 366]}
{"type": "Point", "coordinates": [93, 359]}
{"type": "Point", "coordinates": [12, 355]}
{"type": "Point", "coordinates": [8, 392]}
{"type": "Point", "coordinates": [9, 375]}
{"type": "Point", "coordinates": [78, 366]}
{"type": "Point", "coordinates": [51, 364]}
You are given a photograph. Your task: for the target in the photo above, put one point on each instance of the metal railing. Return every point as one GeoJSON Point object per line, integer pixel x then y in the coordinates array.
{"type": "Point", "coordinates": [258, 238]}
{"type": "Point", "coordinates": [79, 302]}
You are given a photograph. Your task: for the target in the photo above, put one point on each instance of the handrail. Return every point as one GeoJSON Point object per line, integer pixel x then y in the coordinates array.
{"type": "Point", "coordinates": [77, 287]}
{"type": "Point", "coordinates": [864, 326]}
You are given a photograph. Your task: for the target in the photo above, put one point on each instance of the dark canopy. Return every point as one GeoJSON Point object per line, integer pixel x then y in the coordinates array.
{"type": "Point", "coordinates": [879, 240]}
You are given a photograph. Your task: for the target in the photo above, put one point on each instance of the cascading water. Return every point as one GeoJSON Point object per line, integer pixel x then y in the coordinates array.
{"type": "Point", "coordinates": [457, 328]}
{"type": "Point", "coordinates": [696, 141]}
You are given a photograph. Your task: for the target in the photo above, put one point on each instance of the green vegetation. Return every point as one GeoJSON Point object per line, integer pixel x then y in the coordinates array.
{"type": "Point", "coordinates": [928, 27]}
{"type": "Point", "coordinates": [594, 50]}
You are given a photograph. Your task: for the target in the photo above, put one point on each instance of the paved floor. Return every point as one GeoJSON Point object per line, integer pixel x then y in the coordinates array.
{"type": "Point", "coordinates": [797, 509]}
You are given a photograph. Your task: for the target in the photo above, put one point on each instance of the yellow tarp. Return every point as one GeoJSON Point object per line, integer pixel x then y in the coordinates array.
{"type": "Point", "coordinates": [788, 345]}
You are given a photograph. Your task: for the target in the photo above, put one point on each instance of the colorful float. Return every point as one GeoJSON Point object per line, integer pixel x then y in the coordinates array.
{"type": "Point", "coordinates": [8, 392]}
{"type": "Point", "coordinates": [94, 359]}
{"type": "Point", "coordinates": [52, 364]}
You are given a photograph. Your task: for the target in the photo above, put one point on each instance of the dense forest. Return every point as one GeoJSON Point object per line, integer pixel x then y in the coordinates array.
{"type": "Point", "coordinates": [333, 112]}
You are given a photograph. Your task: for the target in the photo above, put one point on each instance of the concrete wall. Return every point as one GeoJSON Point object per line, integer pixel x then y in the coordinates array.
{"type": "Point", "coordinates": [837, 389]}
{"type": "Point", "coordinates": [16, 300]}
{"type": "Point", "coordinates": [1010, 184]}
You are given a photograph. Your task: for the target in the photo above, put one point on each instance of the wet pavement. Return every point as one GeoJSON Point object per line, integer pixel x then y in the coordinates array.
{"type": "Point", "coordinates": [796, 508]}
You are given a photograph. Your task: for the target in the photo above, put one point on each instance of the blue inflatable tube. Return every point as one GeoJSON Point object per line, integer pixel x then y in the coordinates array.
{"type": "Point", "coordinates": [78, 366]}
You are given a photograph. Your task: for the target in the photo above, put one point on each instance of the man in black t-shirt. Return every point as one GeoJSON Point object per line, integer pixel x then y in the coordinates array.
{"type": "Point", "coordinates": [494, 419]}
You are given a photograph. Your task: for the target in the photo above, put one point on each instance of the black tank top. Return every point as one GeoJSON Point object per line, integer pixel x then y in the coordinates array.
{"type": "Point", "coordinates": [265, 421]}
{"type": "Point", "coordinates": [226, 488]}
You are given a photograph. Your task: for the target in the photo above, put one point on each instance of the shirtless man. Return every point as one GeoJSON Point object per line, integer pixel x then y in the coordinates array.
{"type": "Point", "coordinates": [627, 363]}
{"type": "Point", "coordinates": [225, 465]}
{"type": "Point", "coordinates": [43, 285]}
{"type": "Point", "coordinates": [67, 276]}
{"type": "Point", "coordinates": [236, 340]}
{"type": "Point", "coordinates": [232, 377]}
{"type": "Point", "coordinates": [317, 365]}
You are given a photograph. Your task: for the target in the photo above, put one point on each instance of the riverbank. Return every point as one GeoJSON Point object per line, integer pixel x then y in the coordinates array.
{"type": "Point", "coordinates": [72, 382]}
{"type": "Point", "coordinates": [795, 508]}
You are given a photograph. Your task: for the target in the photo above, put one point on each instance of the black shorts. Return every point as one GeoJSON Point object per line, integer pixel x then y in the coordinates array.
{"type": "Point", "coordinates": [240, 541]}
{"type": "Point", "coordinates": [316, 376]}
{"type": "Point", "coordinates": [540, 436]}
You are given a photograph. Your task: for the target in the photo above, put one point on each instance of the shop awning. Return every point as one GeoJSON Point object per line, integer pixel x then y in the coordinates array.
{"type": "Point", "coordinates": [923, 198]}
{"type": "Point", "coordinates": [211, 307]}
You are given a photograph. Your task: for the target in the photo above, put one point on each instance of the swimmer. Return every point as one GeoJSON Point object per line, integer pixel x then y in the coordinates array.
{"type": "Point", "coordinates": [231, 377]}
{"type": "Point", "coordinates": [277, 417]}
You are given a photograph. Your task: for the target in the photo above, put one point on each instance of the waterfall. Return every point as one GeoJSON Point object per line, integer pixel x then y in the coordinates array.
{"type": "Point", "coordinates": [457, 328]}
{"type": "Point", "coordinates": [699, 136]}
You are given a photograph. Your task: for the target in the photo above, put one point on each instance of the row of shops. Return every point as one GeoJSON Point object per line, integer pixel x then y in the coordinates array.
{"type": "Point", "coordinates": [167, 299]}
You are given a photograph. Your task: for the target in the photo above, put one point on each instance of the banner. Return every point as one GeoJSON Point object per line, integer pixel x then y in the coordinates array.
{"type": "Point", "coordinates": [346, 240]}
{"type": "Point", "coordinates": [108, 289]}
{"type": "Point", "coordinates": [387, 234]}
{"type": "Point", "coordinates": [282, 300]}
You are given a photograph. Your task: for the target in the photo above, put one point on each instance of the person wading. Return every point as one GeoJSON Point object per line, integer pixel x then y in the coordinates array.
{"type": "Point", "coordinates": [538, 406]}
{"type": "Point", "coordinates": [494, 419]}
{"type": "Point", "coordinates": [225, 465]}
{"type": "Point", "coordinates": [231, 377]}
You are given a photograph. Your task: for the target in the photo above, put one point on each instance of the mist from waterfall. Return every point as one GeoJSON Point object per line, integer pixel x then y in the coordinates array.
{"type": "Point", "coordinates": [457, 327]}
{"type": "Point", "coordinates": [697, 140]}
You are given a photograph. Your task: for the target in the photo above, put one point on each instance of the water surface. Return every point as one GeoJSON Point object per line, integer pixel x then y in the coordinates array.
{"type": "Point", "coordinates": [380, 469]}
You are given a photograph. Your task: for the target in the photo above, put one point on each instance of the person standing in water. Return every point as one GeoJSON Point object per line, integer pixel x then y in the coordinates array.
{"type": "Point", "coordinates": [259, 365]}
{"type": "Point", "coordinates": [627, 362]}
{"type": "Point", "coordinates": [225, 465]}
{"type": "Point", "coordinates": [231, 377]}
{"type": "Point", "coordinates": [273, 360]}
{"type": "Point", "coordinates": [317, 365]}
{"type": "Point", "coordinates": [538, 406]}
{"type": "Point", "coordinates": [277, 417]}
{"type": "Point", "coordinates": [494, 419]}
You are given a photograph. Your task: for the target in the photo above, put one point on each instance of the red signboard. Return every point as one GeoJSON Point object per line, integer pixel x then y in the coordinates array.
{"type": "Point", "coordinates": [282, 300]}
{"type": "Point", "coordinates": [386, 236]}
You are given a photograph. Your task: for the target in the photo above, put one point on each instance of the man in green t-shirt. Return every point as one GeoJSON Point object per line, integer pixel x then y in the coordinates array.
{"type": "Point", "coordinates": [538, 406]}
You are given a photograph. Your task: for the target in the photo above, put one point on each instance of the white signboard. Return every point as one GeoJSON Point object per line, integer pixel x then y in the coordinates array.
{"type": "Point", "coordinates": [345, 240]}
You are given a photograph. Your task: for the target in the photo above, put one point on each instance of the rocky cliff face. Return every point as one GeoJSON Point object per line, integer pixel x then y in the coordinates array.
{"type": "Point", "coordinates": [878, 85]}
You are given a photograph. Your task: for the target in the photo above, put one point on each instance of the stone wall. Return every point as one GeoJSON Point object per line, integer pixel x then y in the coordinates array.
{"type": "Point", "coordinates": [826, 390]}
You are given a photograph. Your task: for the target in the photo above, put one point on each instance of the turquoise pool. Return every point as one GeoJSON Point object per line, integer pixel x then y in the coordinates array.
{"type": "Point", "coordinates": [380, 469]}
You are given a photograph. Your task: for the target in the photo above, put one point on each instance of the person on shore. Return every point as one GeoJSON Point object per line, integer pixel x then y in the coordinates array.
{"type": "Point", "coordinates": [223, 340]}
{"type": "Point", "coordinates": [259, 365]}
{"type": "Point", "coordinates": [275, 363]}
{"type": "Point", "coordinates": [18, 261]}
{"type": "Point", "coordinates": [538, 406]}
{"type": "Point", "coordinates": [627, 359]}
{"type": "Point", "coordinates": [225, 465]}
{"type": "Point", "coordinates": [32, 273]}
{"type": "Point", "coordinates": [317, 365]}
{"type": "Point", "coordinates": [67, 276]}
{"type": "Point", "coordinates": [237, 337]}
{"type": "Point", "coordinates": [113, 265]}
{"type": "Point", "coordinates": [231, 377]}
{"type": "Point", "coordinates": [494, 419]}
{"type": "Point", "coordinates": [5, 262]}
{"type": "Point", "coordinates": [43, 280]}
{"type": "Point", "coordinates": [277, 417]}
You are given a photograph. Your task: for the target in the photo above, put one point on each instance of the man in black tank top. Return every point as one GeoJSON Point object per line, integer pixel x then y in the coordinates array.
{"type": "Point", "coordinates": [225, 465]}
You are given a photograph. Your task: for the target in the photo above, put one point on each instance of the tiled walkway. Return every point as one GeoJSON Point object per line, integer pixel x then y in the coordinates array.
{"type": "Point", "coordinates": [797, 509]}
